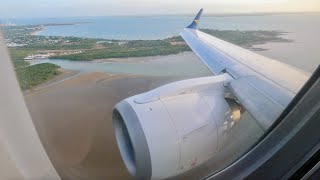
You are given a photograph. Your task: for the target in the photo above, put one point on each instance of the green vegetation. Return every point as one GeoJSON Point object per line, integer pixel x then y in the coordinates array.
{"type": "Point", "coordinates": [76, 48]}
{"type": "Point", "coordinates": [173, 45]}
{"type": "Point", "coordinates": [22, 43]}
{"type": "Point", "coordinates": [59, 43]}
{"type": "Point", "coordinates": [17, 56]}
{"type": "Point", "coordinates": [20, 64]}
{"type": "Point", "coordinates": [32, 76]}
{"type": "Point", "coordinates": [247, 39]}
{"type": "Point", "coordinates": [134, 48]}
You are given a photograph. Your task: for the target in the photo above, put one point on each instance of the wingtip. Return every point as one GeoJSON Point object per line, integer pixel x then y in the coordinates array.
{"type": "Point", "coordinates": [195, 22]}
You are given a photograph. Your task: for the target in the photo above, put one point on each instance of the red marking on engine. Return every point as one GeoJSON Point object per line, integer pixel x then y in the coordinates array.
{"type": "Point", "coordinates": [194, 163]}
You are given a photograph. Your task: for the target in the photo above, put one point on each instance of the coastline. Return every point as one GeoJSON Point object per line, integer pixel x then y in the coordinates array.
{"type": "Point", "coordinates": [144, 59]}
{"type": "Point", "coordinates": [188, 60]}
{"type": "Point", "coordinates": [109, 50]}
{"type": "Point", "coordinates": [65, 75]}
{"type": "Point", "coordinates": [36, 32]}
{"type": "Point", "coordinates": [41, 27]}
{"type": "Point", "coordinates": [93, 51]}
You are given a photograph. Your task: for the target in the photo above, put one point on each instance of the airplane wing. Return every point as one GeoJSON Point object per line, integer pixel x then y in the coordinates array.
{"type": "Point", "coordinates": [190, 121]}
{"type": "Point", "coordinates": [262, 85]}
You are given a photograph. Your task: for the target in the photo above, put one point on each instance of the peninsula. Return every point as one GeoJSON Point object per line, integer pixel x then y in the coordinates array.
{"type": "Point", "coordinates": [24, 44]}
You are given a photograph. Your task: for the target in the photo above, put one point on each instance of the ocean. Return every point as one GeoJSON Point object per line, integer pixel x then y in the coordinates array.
{"type": "Point", "coordinates": [303, 29]}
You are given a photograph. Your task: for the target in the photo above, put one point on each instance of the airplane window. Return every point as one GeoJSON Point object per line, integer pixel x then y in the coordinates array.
{"type": "Point", "coordinates": [152, 89]}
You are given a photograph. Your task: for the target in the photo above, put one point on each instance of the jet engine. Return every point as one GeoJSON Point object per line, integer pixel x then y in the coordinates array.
{"type": "Point", "coordinates": [174, 128]}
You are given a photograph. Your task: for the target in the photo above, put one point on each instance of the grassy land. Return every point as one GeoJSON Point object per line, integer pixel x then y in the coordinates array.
{"type": "Point", "coordinates": [76, 48]}
{"type": "Point", "coordinates": [174, 45]}
{"type": "Point", "coordinates": [17, 56]}
{"type": "Point", "coordinates": [32, 76]}
{"type": "Point", "coordinates": [24, 43]}
{"type": "Point", "coordinates": [247, 39]}
{"type": "Point", "coordinates": [137, 48]}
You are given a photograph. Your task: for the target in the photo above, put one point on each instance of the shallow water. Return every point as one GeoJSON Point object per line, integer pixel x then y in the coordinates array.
{"type": "Point", "coordinates": [303, 29]}
{"type": "Point", "coordinates": [183, 64]}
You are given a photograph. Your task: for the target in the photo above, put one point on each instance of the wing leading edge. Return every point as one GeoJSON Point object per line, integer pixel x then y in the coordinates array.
{"type": "Point", "coordinates": [262, 85]}
{"type": "Point", "coordinates": [220, 56]}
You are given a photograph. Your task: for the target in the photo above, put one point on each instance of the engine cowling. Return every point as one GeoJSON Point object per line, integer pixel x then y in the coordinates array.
{"type": "Point", "coordinates": [174, 128]}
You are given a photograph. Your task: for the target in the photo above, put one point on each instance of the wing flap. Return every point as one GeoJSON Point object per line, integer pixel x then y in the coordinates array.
{"type": "Point", "coordinates": [262, 100]}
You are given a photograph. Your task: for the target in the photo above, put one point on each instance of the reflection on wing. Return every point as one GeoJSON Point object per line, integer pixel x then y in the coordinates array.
{"type": "Point", "coordinates": [259, 81]}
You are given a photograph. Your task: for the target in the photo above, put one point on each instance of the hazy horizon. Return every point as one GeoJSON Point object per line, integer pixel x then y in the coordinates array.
{"type": "Point", "coordinates": [83, 8]}
{"type": "Point", "coordinates": [147, 15]}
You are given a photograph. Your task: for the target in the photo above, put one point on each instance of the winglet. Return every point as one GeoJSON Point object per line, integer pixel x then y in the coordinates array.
{"type": "Point", "coordinates": [195, 22]}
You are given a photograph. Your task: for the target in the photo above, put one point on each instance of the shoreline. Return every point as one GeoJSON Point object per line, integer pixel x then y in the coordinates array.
{"type": "Point", "coordinates": [65, 75]}
{"type": "Point", "coordinates": [91, 49]}
{"type": "Point", "coordinates": [142, 59]}
{"type": "Point", "coordinates": [182, 64]}
{"type": "Point", "coordinates": [37, 31]}
{"type": "Point", "coordinates": [134, 60]}
{"type": "Point", "coordinates": [41, 27]}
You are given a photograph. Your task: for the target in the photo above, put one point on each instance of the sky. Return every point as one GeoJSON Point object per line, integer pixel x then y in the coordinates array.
{"type": "Point", "coordinates": [71, 8]}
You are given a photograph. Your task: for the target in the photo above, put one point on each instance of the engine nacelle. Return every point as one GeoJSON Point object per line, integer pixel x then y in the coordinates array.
{"type": "Point", "coordinates": [174, 128]}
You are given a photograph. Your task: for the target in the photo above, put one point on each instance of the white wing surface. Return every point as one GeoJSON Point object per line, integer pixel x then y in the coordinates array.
{"type": "Point", "coordinates": [263, 86]}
